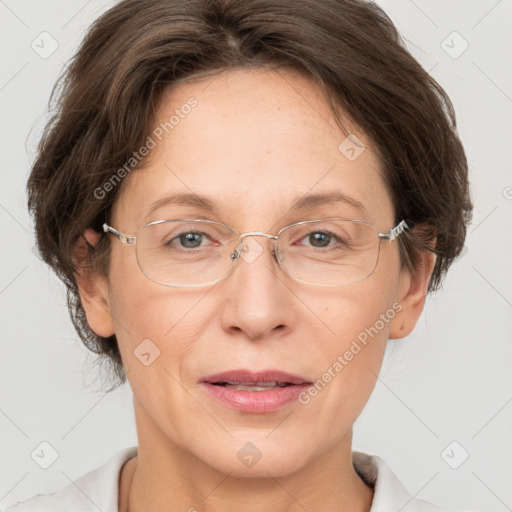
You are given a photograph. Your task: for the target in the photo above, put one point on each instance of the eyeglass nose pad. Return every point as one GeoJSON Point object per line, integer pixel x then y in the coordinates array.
{"type": "Point", "coordinates": [235, 255]}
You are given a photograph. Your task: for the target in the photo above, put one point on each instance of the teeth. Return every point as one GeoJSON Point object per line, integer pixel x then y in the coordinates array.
{"type": "Point", "coordinates": [241, 387]}
{"type": "Point", "coordinates": [238, 383]}
{"type": "Point", "coordinates": [253, 386]}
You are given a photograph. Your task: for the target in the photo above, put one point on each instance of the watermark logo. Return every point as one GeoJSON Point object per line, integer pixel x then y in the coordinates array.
{"type": "Point", "coordinates": [44, 455]}
{"type": "Point", "coordinates": [249, 454]}
{"type": "Point", "coordinates": [351, 147]}
{"type": "Point", "coordinates": [454, 45]}
{"type": "Point", "coordinates": [45, 45]}
{"type": "Point", "coordinates": [251, 250]}
{"type": "Point", "coordinates": [455, 455]}
{"type": "Point", "coordinates": [146, 352]}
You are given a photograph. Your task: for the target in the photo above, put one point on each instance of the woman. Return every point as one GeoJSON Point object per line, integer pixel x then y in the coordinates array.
{"type": "Point", "coordinates": [246, 200]}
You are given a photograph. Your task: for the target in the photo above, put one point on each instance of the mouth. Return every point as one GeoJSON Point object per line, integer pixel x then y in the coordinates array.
{"type": "Point", "coordinates": [264, 379]}
{"type": "Point", "coordinates": [260, 392]}
{"type": "Point", "coordinates": [249, 386]}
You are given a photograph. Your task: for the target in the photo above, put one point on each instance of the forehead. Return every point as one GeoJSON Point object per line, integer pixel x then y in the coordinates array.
{"type": "Point", "coordinates": [253, 142]}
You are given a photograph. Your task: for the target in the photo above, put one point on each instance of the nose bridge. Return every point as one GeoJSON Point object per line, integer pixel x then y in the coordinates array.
{"type": "Point", "coordinates": [250, 252]}
{"type": "Point", "coordinates": [258, 304]}
{"type": "Point", "coordinates": [257, 233]}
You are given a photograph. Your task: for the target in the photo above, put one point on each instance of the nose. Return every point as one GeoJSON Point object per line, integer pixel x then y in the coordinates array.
{"type": "Point", "coordinates": [258, 301]}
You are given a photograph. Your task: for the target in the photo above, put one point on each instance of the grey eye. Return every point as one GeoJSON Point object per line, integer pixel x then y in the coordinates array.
{"type": "Point", "coordinates": [190, 240]}
{"type": "Point", "coordinates": [319, 239]}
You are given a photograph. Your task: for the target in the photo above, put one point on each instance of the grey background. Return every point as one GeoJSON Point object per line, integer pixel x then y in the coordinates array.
{"type": "Point", "coordinates": [449, 381]}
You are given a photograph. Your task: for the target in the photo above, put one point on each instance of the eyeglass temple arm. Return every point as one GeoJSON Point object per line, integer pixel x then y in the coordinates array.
{"type": "Point", "coordinates": [396, 231]}
{"type": "Point", "coordinates": [124, 239]}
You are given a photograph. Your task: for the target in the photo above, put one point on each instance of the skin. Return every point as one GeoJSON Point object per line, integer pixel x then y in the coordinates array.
{"type": "Point", "coordinates": [256, 141]}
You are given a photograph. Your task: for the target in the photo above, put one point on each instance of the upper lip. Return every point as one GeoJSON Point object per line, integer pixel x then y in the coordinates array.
{"type": "Point", "coordinates": [247, 377]}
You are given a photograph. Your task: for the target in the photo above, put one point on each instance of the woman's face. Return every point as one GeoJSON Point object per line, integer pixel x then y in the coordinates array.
{"type": "Point", "coordinates": [254, 142]}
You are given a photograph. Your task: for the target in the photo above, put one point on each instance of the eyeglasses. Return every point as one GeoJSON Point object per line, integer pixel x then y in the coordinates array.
{"type": "Point", "coordinates": [188, 253]}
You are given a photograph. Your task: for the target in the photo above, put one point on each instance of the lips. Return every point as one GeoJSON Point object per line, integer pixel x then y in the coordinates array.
{"type": "Point", "coordinates": [262, 392]}
{"type": "Point", "coordinates": [266, 379]}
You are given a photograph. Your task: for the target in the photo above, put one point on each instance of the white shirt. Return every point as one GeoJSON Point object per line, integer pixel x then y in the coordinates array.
{"type": "Point", "coordinates": [98, 489]}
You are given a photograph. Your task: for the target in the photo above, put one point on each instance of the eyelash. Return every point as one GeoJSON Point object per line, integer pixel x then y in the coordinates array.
{"type": "Point", "coordinates": [336, 238]}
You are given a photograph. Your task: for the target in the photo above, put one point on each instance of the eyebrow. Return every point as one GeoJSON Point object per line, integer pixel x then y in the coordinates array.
{"type": "Point", "coordinates": [310, 201]}
{"type": "Point", "coordinates": [182, 200]}
{"type": "Point", "coordinates": [303, 203]}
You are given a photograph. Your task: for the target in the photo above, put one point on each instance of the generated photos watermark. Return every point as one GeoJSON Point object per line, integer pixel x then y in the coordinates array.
{"type": "Point", "coordinates": [355, 348]}
{"type": "Point", "coordinates": [151, 142]}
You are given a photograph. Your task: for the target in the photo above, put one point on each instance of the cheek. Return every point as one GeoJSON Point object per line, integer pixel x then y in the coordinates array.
{"type": "Point", "coordinates": [143, 314]}
{"type": "Point", "coordinates": [146, 315]}
{"type": "Point", "coordinates": [140, 308]}
{"type": "Point", "coordinates": [361, 311]}
{"type": "Point", "coordinates": [358, 321]}
{"type": "Point", "coordinates": [157, 329]}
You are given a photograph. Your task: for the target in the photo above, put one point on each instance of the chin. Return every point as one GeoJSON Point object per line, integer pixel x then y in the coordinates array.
{"type": "Point", "coordinates": [259, 458]}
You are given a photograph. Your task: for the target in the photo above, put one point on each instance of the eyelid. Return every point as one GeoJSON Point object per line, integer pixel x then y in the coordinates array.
{"type": "Point", "coordinates": [312, 220]}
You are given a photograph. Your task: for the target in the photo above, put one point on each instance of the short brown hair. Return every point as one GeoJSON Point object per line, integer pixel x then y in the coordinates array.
{"type": "Point", "coordinates": [105, 102]}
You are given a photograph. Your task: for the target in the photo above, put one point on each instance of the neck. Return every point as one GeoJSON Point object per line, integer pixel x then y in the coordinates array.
{"type": "Point", "coordinates": [164, 476]}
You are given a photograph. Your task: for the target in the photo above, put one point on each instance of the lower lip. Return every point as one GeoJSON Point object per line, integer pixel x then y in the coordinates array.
{"type": "Point", "coordinates": [256, 401]}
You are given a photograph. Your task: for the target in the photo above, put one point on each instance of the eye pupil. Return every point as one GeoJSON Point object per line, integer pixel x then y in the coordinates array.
{"type": "Point", "coordinates": [190, 239]}
{"type": "Point", "coordinates": [319, 239]}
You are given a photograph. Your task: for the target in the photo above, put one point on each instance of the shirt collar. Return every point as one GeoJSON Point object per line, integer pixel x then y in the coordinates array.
{"type": "Point", "coordinates": [98, 489]}
{"type": "Point", "coordinates": [389, 493]}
